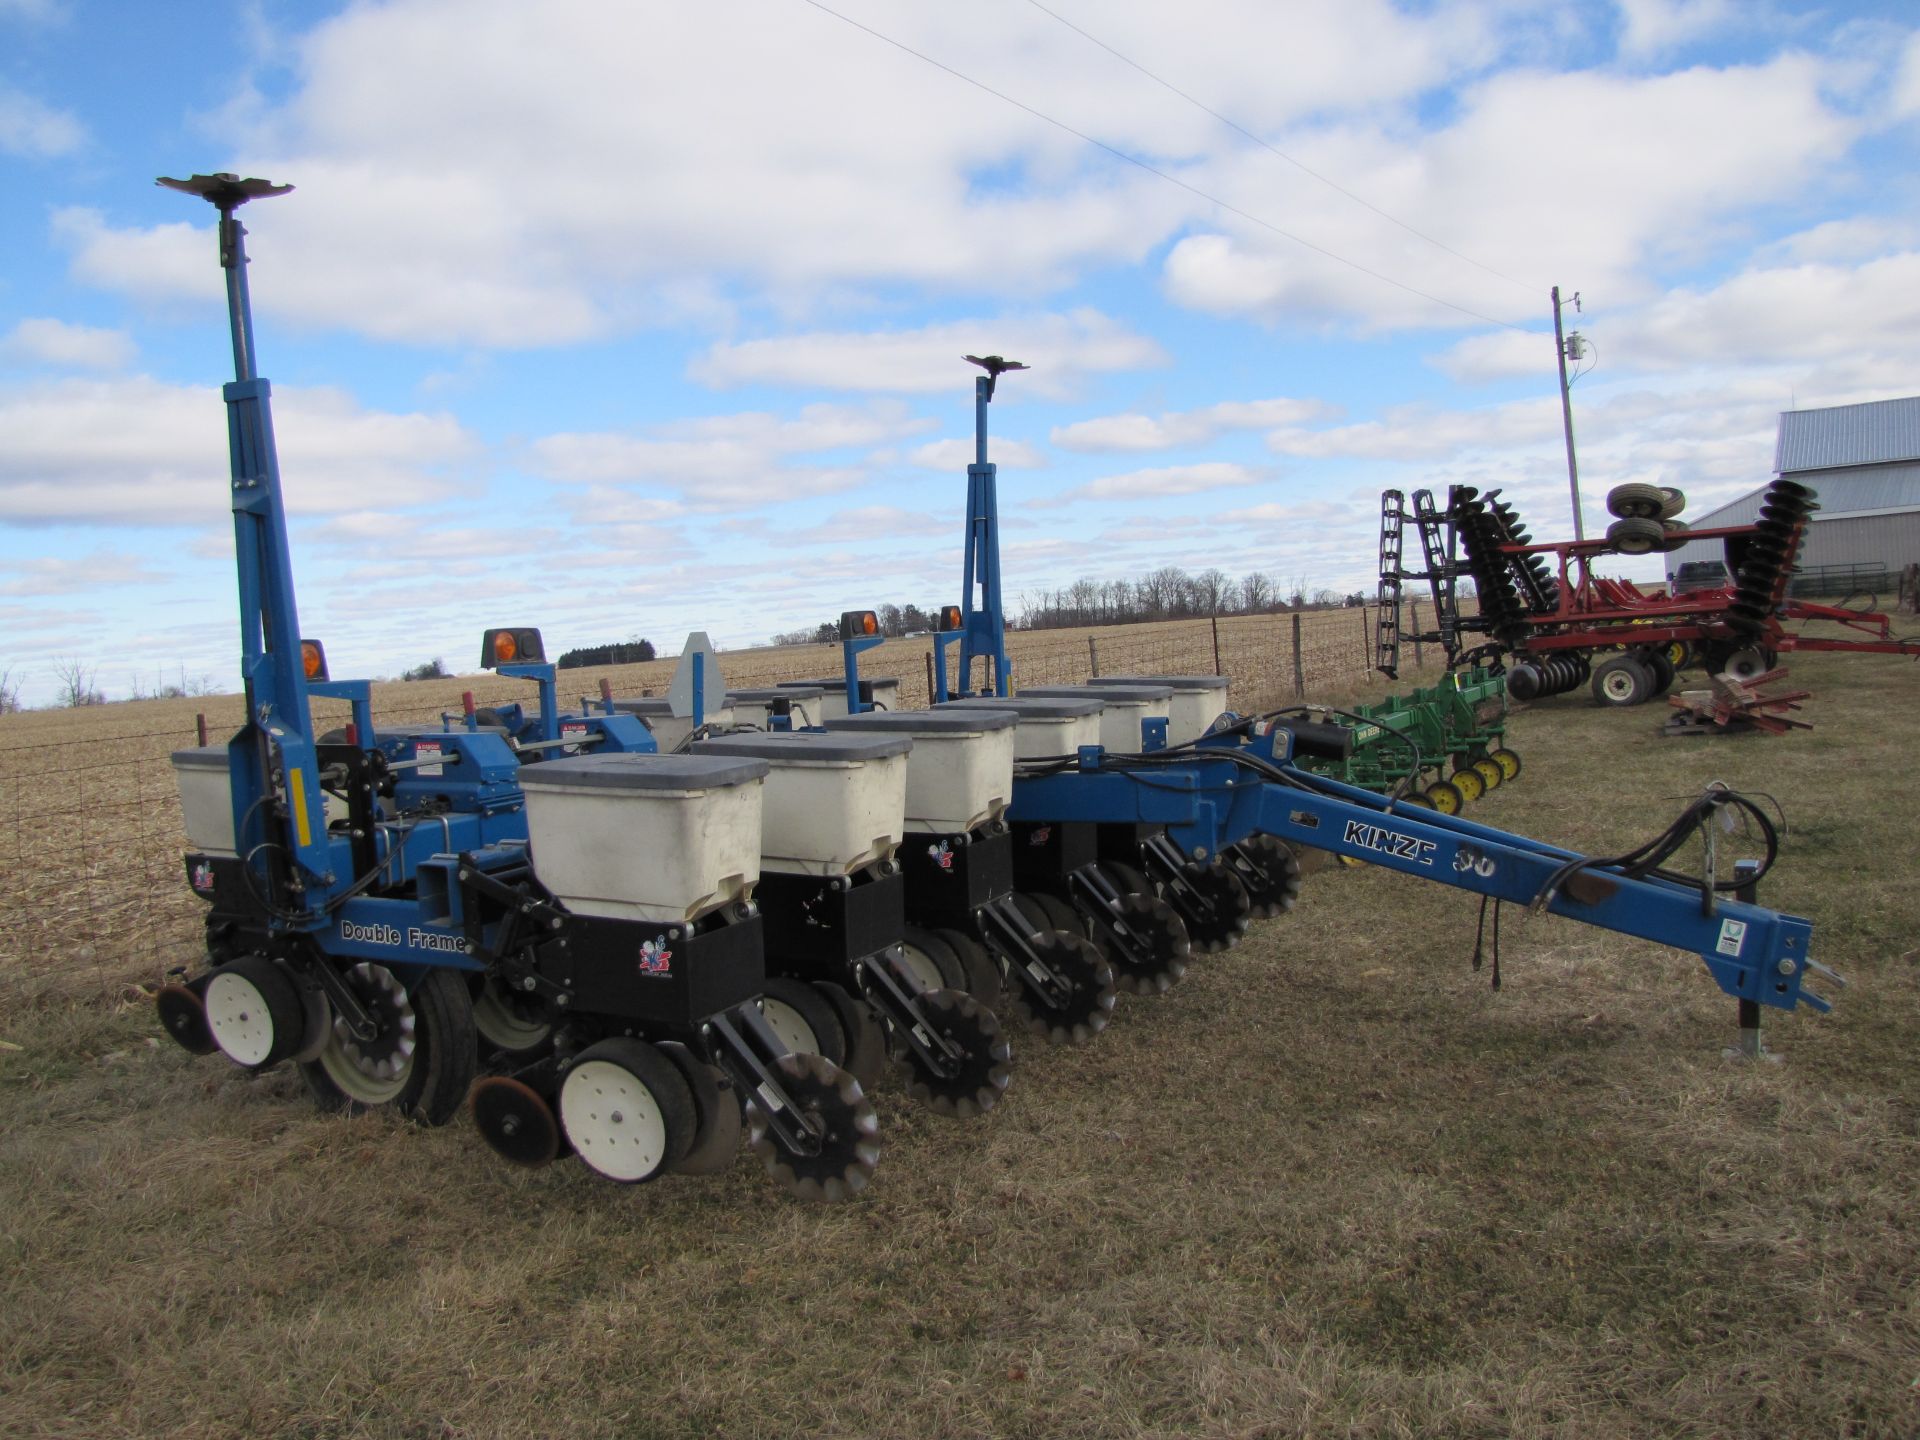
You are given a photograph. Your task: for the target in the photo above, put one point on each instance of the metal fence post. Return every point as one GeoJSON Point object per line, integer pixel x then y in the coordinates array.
{"type": "Point", "coordinates": [1299, 676]}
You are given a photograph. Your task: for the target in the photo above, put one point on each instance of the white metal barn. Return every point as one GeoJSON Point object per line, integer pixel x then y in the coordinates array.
{"type": "Point", "coordinates": [1864, 462]}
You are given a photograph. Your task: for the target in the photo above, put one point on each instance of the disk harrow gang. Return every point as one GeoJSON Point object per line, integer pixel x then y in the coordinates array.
{"type": "Point", "coordinates": [1556, 624]}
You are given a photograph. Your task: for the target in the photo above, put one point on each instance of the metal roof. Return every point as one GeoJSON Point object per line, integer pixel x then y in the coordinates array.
{"type": "Point", "coordinates": [1876, 433]}
{"type": "Point", "coordinates": [1888, 487]}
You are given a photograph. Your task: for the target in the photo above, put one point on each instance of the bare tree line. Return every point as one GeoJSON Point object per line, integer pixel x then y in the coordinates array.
{"type": "Point", "coordinates": [1170, 593]}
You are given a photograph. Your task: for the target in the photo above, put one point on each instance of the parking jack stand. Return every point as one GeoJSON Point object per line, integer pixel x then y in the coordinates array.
{"type": "Point", "coordinates": [1753, 1045]}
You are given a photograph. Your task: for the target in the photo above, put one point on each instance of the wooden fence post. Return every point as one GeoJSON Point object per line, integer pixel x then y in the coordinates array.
{"type": "Point", "coordinates": [1093, 656]}
{"type": "Point", "coordinates": [929, 677]}
{"type": "Point", "coordinates": [1299, 675]}
{"type": "Point", "coordinates": [1366, 641]}
{"type": "Point", "coordinates": [200, 727]}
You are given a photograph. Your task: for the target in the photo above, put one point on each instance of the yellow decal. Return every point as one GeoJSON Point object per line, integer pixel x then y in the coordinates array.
{"type": "Point", "coordinates": [302, 827]}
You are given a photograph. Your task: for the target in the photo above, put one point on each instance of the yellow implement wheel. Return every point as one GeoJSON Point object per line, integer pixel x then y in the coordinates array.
{"type": "Point", "coordinates": [1507, 760]}
{"type": "Point", "coordinates": [1490, 771]}
{"type": "Point", "coordinates": [1470, 783]}
{"type": "Point", "coordinates": [1446, 797]}
{"type": "Point", "coordinates": [1679, 653]}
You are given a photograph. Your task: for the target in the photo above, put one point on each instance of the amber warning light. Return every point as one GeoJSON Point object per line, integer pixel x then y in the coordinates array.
{"type": "Point", "coordinates": [504, 647]}
{"type": "Point", "coordinates": [313, 659]}
{"type": "Point", "coordinates": [855, 623]}
{"type": "Point", "coordinates": [949, 617]}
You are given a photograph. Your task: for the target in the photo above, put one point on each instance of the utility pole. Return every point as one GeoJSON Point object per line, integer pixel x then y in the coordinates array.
{"type": "Point", "coordinates": [1563, 346]}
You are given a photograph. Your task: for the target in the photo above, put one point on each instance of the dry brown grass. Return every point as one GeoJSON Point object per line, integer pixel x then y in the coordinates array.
{"type": "Point", "coordinates": [1331, 1184]}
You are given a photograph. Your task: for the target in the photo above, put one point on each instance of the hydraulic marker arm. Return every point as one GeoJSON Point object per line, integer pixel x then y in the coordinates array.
{"type": "Point", "coordinates": [1208, 804]}
{"type": "Point", "coordinates": [279, 808]}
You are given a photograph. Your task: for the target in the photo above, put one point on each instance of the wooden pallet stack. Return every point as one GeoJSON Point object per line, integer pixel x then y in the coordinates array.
{"type": "Point", "coordinates": [1730, 706]}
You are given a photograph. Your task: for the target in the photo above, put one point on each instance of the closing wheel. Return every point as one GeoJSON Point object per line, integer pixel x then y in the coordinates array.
{"type": "Point", "coordinates": [842, 1146]}
{"type": "Point", "coordinates": [627, 1109]}
{"type": "Point", "coordinates": [1129, 877]}
{"type": "Point", "coordinates": [1470, 783]}
{"type": "Point", "coordinates": [982, 975]}
{"type": "Point", "coordinates": [1032, 911]}
{"type": "Point", "coordinates": [421, 1059]}
{"type": "Point", "coordinates": [508, 1021]}
{"type": "Point", "coordinates": [1490, 772]}
{"type": "Point", "coordinates": [1075, 1017]}
{"type": "Point", "coordinates": [931, 961]}
{"type": "Point", "coordinates": [1060, 912]}
{"type": "Point", "coordinates": [255, 1013]}
{"type": "Point", "coordinates": [1269, 871]}
{"type": "Point", "coordinates": [1159, 950]}
{"type": "Point", "coordinates": [1445, 797]}
{"type": "Point", "coordinates": [1508, 761]}
{"type": "Point", "coordinates": [717, 1125]}
{"type": "Point", "coordinates": [515, 1120]}
{"type": "Point", "coordinates": [980, 1070]}
{"type": "Point", "coordinates": [866, 1047]}
{"type": "Point", "coordinates": [1224, 911]}
{"type": "Point", "coordinates": [802, 1018]}
{"type": "Point", "coordinates": [184, 1018]}
{"type": "Point", "coordinates": [1623, 680]}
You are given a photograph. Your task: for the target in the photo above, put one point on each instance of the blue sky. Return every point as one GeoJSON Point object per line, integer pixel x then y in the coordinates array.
{"type": "Point", "coordinates": [629, 319]}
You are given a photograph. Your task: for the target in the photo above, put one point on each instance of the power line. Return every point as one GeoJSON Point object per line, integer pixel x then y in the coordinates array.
{"type": "Point", "coordinates": [1275, 150]}
{"type": "Point", "coordinates": [1155, 171]}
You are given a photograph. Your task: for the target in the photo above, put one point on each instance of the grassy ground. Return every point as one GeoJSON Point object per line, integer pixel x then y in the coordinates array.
{"type": "Point", "coordinates": [1331, 1184]}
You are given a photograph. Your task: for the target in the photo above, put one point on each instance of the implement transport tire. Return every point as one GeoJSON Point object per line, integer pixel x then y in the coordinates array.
{"type": "Point", "coordinates": [1623, 680]}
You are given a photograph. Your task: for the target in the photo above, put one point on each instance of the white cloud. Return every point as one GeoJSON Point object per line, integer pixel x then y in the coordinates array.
{"type": "Point", "coordinates": [1858, 237]}
{"type": "Point", "coordinates": [729, 461]}
{"type": "Point", "coordinates": [1906, 88]}
{"type": "Point", "coordinates": [48, 341]}
{"type": "Point", "coordinates": [1646, 170]}
{"type": "Point", "coordinates": [1499, 355]}
{"type": "Point", "coordinates": [1422, 432]}
{"type": "Point", "coordinates": [178, 259]}
{"type": "Point", "coordinates": [872, 524]}
{"type": "Point", "coordinates": [1156, 483]}
{"type": "Point", "coordinates": [581, 169]}
{"type": "Point", "coordinates": [1188, 427]}
{"type": "Point", "coordinates": [34, 131]}
{"type": "Point", "coordinates": [1062, 349]}
{"type": "Point", "coordinates": [956, 455]}
{"type": "Point", "coordinates": [138, 451]}
{"type": "Point", "coordinates": [45, 575]}
{"type": "Point", "coordinates": [1652, 27]}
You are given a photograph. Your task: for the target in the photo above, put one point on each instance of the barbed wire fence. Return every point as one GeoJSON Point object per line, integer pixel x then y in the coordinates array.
{"type": "Point", "coordinates": [96, 905]}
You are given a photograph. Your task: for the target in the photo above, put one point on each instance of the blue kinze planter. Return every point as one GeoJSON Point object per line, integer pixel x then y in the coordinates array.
{"type": "Point", "coordinates": [382, 902]}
